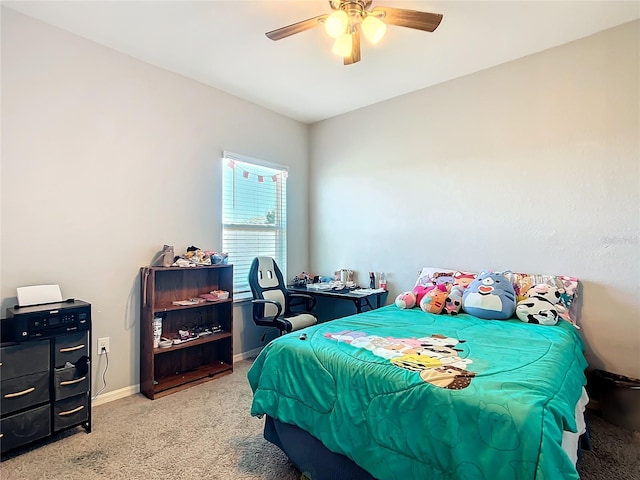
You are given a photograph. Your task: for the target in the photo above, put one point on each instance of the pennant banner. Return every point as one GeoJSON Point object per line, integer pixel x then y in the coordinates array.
{"type": "Point", "coordinates": [261, 178]}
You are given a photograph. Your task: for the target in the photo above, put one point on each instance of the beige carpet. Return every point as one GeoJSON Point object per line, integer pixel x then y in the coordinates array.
{"type": "Point", "coordinates": [206, 432]}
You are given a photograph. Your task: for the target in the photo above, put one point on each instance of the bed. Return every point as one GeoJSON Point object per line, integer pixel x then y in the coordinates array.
{"type": "Point", "coordinates": [403, 394]}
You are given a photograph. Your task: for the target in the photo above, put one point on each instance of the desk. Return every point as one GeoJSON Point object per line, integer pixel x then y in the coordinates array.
{"type": "Point", "coordinates": [367, 300]}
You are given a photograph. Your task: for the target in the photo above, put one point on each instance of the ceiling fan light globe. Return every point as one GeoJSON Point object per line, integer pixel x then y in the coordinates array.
{"type": "Point", "coordinates": [373, 29]}
{"type": "Point", "coordinates": [336, 23]}
{"type": "Point", "coordinates": [343, 45]}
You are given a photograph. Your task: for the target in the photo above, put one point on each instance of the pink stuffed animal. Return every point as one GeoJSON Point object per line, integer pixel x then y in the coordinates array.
{"type": "Point", "coordinates": [406, 300]}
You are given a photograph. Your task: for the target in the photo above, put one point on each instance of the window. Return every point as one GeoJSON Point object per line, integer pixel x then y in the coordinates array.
{"type": "Point", "coordinates": [254, 214]}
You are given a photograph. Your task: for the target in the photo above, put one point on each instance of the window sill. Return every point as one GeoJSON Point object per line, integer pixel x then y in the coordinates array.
{"type": "Point", "coordinates": [244, 297]}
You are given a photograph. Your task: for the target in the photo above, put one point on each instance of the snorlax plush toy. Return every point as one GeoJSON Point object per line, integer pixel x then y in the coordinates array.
{"type": "Point", "coordinates": [490, 296]}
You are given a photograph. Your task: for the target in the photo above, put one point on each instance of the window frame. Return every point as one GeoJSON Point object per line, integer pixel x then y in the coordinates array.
{"type": "Point", "coordinates": [279, 227]}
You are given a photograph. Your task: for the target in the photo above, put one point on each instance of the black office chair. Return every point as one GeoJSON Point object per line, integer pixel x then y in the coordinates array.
{"type": "Point", "coordinates": [273, 305]}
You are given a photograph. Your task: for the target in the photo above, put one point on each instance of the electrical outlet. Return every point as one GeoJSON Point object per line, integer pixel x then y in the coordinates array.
{"type": "Point", "coordinates": [103, 345]}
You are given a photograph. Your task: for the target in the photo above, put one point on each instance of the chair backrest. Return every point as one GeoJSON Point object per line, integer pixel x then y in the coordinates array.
{"type": "Point", "coordinates": [266, 282]}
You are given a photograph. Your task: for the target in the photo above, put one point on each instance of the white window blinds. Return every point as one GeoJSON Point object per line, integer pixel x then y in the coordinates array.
{"type": "Point", "coordinates": [254, 214]}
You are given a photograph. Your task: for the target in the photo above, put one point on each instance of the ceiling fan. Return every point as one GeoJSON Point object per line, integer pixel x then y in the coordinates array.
{"type": "Point", "coordinates": [350, 17]}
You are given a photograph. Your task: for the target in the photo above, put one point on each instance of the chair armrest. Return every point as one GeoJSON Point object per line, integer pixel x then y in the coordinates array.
{"type": "Point", "coordinates": [308, 300]}
{"type": "Point", "coordinates": [264, 301]}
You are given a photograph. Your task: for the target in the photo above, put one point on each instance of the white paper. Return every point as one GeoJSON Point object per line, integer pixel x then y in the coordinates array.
{"type": "Point", "coordinates": [38, 294]}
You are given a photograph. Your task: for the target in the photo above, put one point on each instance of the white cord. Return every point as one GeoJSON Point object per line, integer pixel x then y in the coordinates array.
{"type": "Point", "coordinates": [104, 377]}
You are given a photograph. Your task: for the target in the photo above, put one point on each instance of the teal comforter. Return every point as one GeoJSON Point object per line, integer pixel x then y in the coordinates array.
{"type": "Point", "coordinates": [411, 395]}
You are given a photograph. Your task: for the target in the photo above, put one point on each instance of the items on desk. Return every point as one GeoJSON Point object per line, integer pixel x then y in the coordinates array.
{"type": "Point", "coordinates": [367, 291]}
{"type": "Point", "coordinates": [344, 275]}
{"type": "Point", "coordinates": [383, 281]}
{"type": "Point", "coordinates": [335, 285]}
{"type": "Point", "coordinates": [372, 280]}
{"type": "Point", "coordinates": [304, 278]}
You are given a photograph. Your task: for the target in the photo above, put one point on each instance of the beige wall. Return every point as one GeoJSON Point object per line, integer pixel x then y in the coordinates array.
{"type": "Point", "coordinates": [532, 166]}
{"type": "Point", "coordinates": [106, 158]}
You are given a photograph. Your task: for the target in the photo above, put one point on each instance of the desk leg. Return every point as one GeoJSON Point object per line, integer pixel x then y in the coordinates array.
{"type": "Point", "coordinates": [358, 304]}
{"type": "Point", "coordinates": [367, 303]}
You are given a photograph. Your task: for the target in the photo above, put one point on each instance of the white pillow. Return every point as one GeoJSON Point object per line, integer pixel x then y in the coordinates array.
{"type": "Point", "coordinates": [427, 274]}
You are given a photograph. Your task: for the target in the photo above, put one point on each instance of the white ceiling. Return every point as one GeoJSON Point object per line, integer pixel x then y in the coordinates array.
{"type": "Point", "coordinates": [222, 44]}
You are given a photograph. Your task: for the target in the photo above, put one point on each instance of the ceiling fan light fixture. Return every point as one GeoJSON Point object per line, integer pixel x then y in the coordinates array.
{"type": "Point", "coordinates": [343, 45]}
{"type": "Point", "coordinates": [373, 28]}
{"type": "Point", "coordinates": [336, 23]}
{"type": "Point", "coordinates": [351, 19]}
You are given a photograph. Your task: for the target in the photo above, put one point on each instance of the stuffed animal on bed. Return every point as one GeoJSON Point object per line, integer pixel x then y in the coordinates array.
{"type": "Point", "coordinates": [406, 300]}
{"type": "Point", "coordinates": [453, 303]}
{"type": "Point", "coordinates": [434, 300]}
{"type": "Point", "coordinates": [540, 305]}
{"type": "Point", "coordinates": [522, 285]}
{"type": "Point", "coordinates": [548, 292]}
{"type": "Point", "coordinates": [490, 296]}
{"type": "Point", "coordinates": [537, 310]}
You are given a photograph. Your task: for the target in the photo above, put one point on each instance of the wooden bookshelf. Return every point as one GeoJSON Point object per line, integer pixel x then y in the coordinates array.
{"type": "Point", "coordinates": [168, 370]}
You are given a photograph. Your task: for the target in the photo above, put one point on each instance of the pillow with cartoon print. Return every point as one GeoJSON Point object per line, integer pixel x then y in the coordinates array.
{"type": "Point", "coordinates": [567, 286]}
{"type": "Point", "coordinates": [456, 282]}
{"type": "Point", "coordinates": [429, 276]}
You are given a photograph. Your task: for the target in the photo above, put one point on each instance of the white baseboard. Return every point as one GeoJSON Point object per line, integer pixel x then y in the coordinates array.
{"type": "Point", "coordinates": [133, 389]}
{"type": "Point", "coordinates": [115, 395]}
{"type": "Point", "coordinates": [250, 354]}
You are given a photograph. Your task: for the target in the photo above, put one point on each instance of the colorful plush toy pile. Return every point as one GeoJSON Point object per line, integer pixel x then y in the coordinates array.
{"type": "Point", "coordinates": [437, 291]}
{"type": "Point", "coordinates": [544, 299]}
{"type": "Point", "coordinates": [538, 299]}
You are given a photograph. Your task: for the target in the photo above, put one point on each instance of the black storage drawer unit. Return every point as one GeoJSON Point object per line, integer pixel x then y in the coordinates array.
{"type": "Point", "coordinates": [24, 358]}
{"type": "Point", "coordinates": [70, 381]}
{"type": "Point", "coordinates": [45, 372]}
{"type": "Point", "coordinates": [70, 411]}
{"type": "Point", "coordinates": [25, 427]}
{"type": "Point", "coordinates": [24, 392]}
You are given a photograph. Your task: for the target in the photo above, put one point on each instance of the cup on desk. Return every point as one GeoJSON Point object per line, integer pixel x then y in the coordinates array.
{"type": "Point", "coordinates": [346, 275]}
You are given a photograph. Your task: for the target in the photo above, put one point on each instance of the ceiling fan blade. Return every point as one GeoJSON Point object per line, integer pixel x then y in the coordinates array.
{"type": "Point", "coordinates": [355, 49]}
{"type": "Point", "coordinates": [409, 18]}
{"type": "Point", "coordinates": [295, 28]}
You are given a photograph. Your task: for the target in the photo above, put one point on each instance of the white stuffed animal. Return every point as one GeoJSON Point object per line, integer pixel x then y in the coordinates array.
{"type": "Point", "coordinates": [540, 305]}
